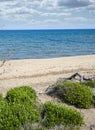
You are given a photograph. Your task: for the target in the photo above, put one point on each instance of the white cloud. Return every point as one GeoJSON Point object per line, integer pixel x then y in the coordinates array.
{"type": "Point", "coordinates": [55, 14]}
{"type": "Point", "coordinates": [47, 11]}
{"type": "Point", "coordinates": [48, 3]}
{"type": "Point", "coordinates": [75, 19]}
{"type": "Point", "coordinates": [51, 21]}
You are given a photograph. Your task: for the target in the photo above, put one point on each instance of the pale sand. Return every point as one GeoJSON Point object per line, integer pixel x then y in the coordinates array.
{"type": "Point", "coordinates": [40, 73]}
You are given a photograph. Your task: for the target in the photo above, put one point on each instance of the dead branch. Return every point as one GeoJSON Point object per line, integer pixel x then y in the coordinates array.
{"type": "Point", "coordinates": [3, 62]}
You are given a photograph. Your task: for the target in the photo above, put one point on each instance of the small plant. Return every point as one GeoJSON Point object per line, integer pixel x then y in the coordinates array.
{"type": "Point", "coordinates": [90, 84]}
{"type": "Point", "coordinates": [22, 94]}
{"type": "Point", "coordinates": [57, 114]}
{"type": "Point", "coordinates": [75, 94]}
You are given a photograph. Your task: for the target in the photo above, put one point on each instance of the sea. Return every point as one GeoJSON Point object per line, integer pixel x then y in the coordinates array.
{"type": "Point", "coordinates": [29, 44]}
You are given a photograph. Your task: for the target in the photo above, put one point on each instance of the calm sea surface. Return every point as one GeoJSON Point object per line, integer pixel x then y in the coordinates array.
{"type": "Point", "coordinates": [25, 44]}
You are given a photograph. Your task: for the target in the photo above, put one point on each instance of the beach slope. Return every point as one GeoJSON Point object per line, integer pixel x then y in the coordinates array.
{"type": "Point", "coordinates": [43, 72]}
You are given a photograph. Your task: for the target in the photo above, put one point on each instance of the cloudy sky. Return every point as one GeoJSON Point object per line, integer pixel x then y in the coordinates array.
{"type": "Point", "coordinates": [47, 14]}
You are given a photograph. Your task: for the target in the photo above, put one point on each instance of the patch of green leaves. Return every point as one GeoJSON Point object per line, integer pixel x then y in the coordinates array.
{"type": "Point", "coordinates": [90, 84]}
{"type": "Point", "coordinates": [1, 97]}
{"type": "Point", "coordinates": [23, 94]}
{"type": "Point", "coordinates": [75, 94]}
{"type": "Point", "coordinates": [57, 114]}
{"type": "Point", "coordinates": [18, 108]}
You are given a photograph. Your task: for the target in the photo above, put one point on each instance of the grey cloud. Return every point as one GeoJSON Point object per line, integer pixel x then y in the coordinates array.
{"type": "Point", "coordinates": [91, 8]}
{"type": "Point", "coordinates": [22, 12]}
{"type": "Point", "coordinates": [6, 0]}
{"type": "Point", "coordinates": [74, 3]}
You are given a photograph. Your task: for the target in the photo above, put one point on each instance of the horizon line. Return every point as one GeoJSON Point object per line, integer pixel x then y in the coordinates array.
{"type": "Point", "coordinates": [48, 29]}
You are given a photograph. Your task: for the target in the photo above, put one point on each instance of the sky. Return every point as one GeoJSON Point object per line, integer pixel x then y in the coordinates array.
{"type": "Point", "coordinates": [47, 14]}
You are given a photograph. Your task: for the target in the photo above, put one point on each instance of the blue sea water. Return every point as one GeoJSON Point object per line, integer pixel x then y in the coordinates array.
{"type": "Point", "coordinates": [26, 44]}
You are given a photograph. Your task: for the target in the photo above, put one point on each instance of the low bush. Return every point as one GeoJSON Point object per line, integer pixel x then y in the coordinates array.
{"type": "Point", "coordinates": [90, 84]}
{"type": "Point", "coordinates": [22, 94]}
{"type": "Point", "coordinates": [18, 108]}
{"type": "Point", "coordinates": [57, 114]}
{"type": "Point", "coordinates": [75, 94]}
{"type": "Point", "coordinates": [12, 117]}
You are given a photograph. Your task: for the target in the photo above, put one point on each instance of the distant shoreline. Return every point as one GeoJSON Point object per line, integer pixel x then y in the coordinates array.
{"type": "Point", "coordinates": [50, 58]}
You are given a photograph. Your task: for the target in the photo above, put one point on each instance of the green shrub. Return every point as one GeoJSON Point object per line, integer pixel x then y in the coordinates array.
{"type": "Point", "coordinates": [56, 114]}
{"type": "Point", "coordinates": [18, 108]}
{"type": "Point", "coordinates": [90, 83]}
{"type": "Point", "coordinates": [22, 94]}
{"type": "Point", "coordinates": [12, 117]}
{"type": "Point", "coordinates": [1, 97]}
{"type": "Point", "coordinates": [75, 94]}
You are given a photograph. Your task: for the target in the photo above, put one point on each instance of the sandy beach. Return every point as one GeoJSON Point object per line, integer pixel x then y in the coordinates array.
{"type": "Point", "coordinates": [40, 73]}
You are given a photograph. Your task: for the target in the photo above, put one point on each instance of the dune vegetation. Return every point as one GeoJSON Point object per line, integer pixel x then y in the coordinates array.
{"type": "Point", "coordinates": [20, 110]}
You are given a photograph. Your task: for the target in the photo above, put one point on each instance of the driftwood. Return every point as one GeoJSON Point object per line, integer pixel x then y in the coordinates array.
{"type": "Point", "coordinates": [80, 78]}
